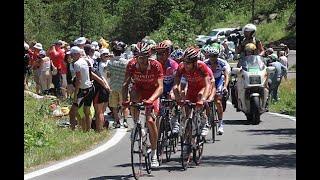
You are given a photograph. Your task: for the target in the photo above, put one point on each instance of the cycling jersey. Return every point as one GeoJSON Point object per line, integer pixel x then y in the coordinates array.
{"type": "Point", "coordinates": [195, 79]}
{"type": "Point", "coordinates": [170, 69]}
{"type": "Point", "coordinates": [218, 72]}
{"type": "Point", "coordinates": [147, 81]}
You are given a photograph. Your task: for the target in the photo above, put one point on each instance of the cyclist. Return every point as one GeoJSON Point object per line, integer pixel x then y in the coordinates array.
{"type": "Point", "coordinates": [147, 77]}
{"type": "Point", "coordinates": [198, 77]}
{"type": "Point", "coordinates": [170, 68]}
{"type": "Point", "coordinates": [221, 76]}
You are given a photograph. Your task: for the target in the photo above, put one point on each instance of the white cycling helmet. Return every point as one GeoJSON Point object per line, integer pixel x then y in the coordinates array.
{"type": "Point", "coordinates": [212, 50]}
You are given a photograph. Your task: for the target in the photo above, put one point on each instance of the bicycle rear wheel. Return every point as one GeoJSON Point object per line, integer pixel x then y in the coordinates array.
{"type": "Point", "coordinates": [161, 138]}
{"type": "Point", "coordinates": [214, 120]}
{"type": "Point", "coordinates": [186, 145]}
{"type": "Point", "coordinates": [136, 154]}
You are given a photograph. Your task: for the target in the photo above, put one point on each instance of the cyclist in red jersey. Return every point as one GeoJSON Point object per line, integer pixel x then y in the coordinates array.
{"type": "Point", "coordinates": [200, 80]}
{"type": "Point", "coordinates": [146, 75]}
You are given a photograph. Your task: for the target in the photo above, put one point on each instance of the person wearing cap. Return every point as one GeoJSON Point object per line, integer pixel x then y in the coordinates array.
{"type": "Point", "coordinates": [117, 70]}
{"type": "Point", "coordinates": [286, 51]}
{"type": "Point", "coordinates": [56, 54]}
{"type": "Point", "coordinates": [35, 64]}
{"type": "Point", "coordinates": [80, 42]}
{"type": "Point", "coordinates": [280, 71]}
{"type": "Point", "coordinates": [27, 68]}
{"type": "Point", "coordinates": [45, 77]}
{"type": "Point", "coordinates": [84, 89]}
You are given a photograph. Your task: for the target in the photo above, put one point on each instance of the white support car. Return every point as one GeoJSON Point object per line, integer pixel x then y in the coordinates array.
{"type": "Point", "coordinates": [218, 34]}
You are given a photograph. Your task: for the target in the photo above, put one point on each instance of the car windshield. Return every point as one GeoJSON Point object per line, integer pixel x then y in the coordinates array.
{"type": "Point", "coordinates": [213, 33]}
{"type": "Point", "coordinates": [252, 62]}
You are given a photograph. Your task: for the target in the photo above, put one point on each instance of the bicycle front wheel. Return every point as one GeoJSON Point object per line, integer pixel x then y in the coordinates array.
{"type": "Point", "coordinates": [136, 154]}
{"type": "Point", "coordinates": [186, 145]}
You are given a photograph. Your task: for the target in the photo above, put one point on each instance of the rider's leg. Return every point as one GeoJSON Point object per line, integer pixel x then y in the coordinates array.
{"type": "Point", "coordinates": [153, 135]}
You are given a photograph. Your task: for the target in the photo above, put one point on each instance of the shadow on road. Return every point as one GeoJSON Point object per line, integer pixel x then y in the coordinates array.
{"type": "Point", "coordinates": [287, 131]}
{"type": "Point", "coordinates": [124, 177]}
{"type": "Point", "coordinates": [279, 146]}
{"type": "Point", "coordinates": [262, 160]}
{"type": "Point", "coordinates": [236, 122]}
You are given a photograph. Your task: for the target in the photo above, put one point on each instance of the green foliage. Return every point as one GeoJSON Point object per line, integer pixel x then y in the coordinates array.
{"type": "Point", "coordinates": [132, 20]}
{"type": "Point", "coordinates": [36, 129]}
{"type": "Point", "coordinates": [178, 27]}
{"type": "Point", "coordinates": [287, 102]}
{"type": "Point", "coordinates": [44, 141]}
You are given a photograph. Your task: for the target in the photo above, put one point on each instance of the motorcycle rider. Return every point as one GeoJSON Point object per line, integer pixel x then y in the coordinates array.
{"type": "Point", "coordinates": [249, 33]}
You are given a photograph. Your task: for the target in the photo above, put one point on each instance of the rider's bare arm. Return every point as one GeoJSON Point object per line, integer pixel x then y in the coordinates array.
{"type": "Point", "coordinates": [226, 75]}
{"type": "Point", "coordinates": [207, 88]}
{"type": "Point", "coordinates": [213, 90]}
{"type": "Point", "coordinates": [175, 87]}
{"type": "Point", "coordinates": [157, 93]}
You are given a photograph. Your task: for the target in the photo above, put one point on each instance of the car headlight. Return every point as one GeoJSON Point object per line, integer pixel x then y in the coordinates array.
{"type": "Point", "coordinates": [255, 79]}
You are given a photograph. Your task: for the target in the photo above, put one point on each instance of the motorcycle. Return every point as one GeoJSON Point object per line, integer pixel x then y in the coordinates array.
{"type": "Point", "coordinates": [249, 87]}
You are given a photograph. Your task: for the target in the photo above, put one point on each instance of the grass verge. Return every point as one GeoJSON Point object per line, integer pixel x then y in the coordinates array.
{"type": "Point", "coordinates": [287, 102]}
{"type": "Point", "coordinates": [45, 142]}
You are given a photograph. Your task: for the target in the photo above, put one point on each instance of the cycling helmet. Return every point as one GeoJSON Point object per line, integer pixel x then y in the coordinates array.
{"type": "Point", "coordinates": [250, 47]}
{"type": "Point", "coordinates": [212, 50]}
{"type": "Point", "coordinates": [162, 45]}
{"type": "Point", "coordinates": [177, 54]}
{"type": "Point", "coordinates": [142, 48]}
{"type": "Point", "coordinates": [205, 48]}
{"type": "Point", "coordinates": [191, 54]}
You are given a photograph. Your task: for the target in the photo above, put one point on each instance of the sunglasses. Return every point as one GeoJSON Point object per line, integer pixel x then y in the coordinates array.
{"type": "Point", "coordinates": [213, 55]}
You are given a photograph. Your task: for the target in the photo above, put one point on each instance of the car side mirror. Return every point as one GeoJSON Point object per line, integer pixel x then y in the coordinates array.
{"type": "Point", "coordinates": [270, 69]}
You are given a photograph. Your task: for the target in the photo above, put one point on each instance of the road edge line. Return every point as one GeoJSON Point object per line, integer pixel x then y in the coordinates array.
{"type": "Point", "coordinates": [120, 133]}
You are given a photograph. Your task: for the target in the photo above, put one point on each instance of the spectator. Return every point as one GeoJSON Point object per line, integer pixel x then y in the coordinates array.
{"type": "Point", "coordinates": [27, 68]}
{"type": "Point", "coordinates": [83, 88]}
{"type": "Point", "coordinates": [277, 76]}
{"type": "Point", "coordinates": [117, 69]}
{"type": "Point", "coordinates": [101, 96]}
{"type": "Point", "coordinates": [89, 50]}
{"type": "Point", "coordinates": [70, 74]}
{"type": "Point", "coordinates": [286, 51]}
{"type": "Point", "coordinates": [35, 65]}
{"type": "Point", "coordinates": [284, 61]}
{"type": "Point", "coordinates": [45, 77]}
{"type": "Point", "coordinates": [56, 54]}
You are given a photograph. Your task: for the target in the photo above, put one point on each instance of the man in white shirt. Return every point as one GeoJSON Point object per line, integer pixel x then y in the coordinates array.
{"type": "Point", "coordinates": [84, 90]}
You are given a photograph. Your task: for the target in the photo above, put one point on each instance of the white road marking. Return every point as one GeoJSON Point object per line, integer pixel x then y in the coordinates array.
{"type": "Point", "coordinates": [276, 114]}
{"type": "Point", "coordinates": [113, 141]}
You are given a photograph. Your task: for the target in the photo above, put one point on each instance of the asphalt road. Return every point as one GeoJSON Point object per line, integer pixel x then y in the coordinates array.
{"type": "Point", "coordinates": [266, 151]}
